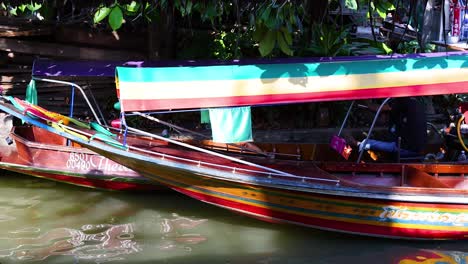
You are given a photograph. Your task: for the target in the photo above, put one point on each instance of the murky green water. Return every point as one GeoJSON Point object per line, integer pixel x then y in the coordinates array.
{"type": "Point", "coordinates": [47, 222]}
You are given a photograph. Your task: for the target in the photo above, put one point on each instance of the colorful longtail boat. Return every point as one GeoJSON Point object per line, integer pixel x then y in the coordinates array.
{"type": "Point", "coordinates": [37, 152]}
{"type": "Point", "coordinates": [410, 199]}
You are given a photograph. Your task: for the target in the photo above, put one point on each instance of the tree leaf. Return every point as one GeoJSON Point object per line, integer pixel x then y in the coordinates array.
{"type": "Point", "coordinates": [266, 45]}
{"type": "Point", "coordinates": [188, 7]}
{"type": "Point", "coordinates": [386, 48]}
{"type": "Point", "coordinates": [258, 33]}
{"type": "Point", "coordinates": [284, 47]}
{"type": "Point", "coordinates": [287, 36]}
{"type": "Point", "coordinates": [33, 7]}
{"type": "Point", "coordinates": [13, 11]}
{"type": "Point", "coordinates": [116, 18]}
{"type": "Point", "coordinates": [381, 12]}
{"type": "Point", "coordinates": [133, 7]}
{"type": "Point", "coordinates": [351, 4]}
{"type": "Point", "coordinates": [22, 8]}
{"type": "Point", "coordinates": [100, 14]}
{"type": "Point", "coordinates": [266, 14]}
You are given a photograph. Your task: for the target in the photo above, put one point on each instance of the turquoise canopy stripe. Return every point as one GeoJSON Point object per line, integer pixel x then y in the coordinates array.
{"type": "Point", "coordinates": [290, 70]}
{"type": "Point", "coordinates": [208, 86]}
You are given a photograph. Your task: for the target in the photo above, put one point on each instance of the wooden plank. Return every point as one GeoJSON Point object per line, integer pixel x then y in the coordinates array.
{"type": "Point", "coordinates": [66, 51]}
{"type": "Point", "coordinates": [26, 32]}
{"type": "Point", "coordinates": [439, 168]}
{"type": "Point", "coordinates": [85, 36]}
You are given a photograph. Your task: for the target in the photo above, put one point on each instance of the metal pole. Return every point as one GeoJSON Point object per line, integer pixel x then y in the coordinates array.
{"type": "Point", "coordinates": [372, 128]}
{"type": "Point", "coordinates": [76, 86]}
{"type": "Point", "coordinates": [346, 118]}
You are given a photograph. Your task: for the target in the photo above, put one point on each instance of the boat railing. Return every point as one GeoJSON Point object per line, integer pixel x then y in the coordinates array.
{"type": "Point", "coordinates": [234, 169]}
{"type": "Point", "coordinates": [270, 173]}
{"type": "Point", "coordinates": [74, 85]}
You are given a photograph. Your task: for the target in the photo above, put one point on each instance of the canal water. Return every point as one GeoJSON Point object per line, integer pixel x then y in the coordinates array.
{"type": "Point", "coordinates": [47, 222]}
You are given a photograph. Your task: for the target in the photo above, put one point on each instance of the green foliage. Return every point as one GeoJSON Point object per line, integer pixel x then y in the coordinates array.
{"type": "Point", "coordinates": [328, 41]}
{"type": "Point", "coordinates": [269, 28]}
{"type": "Point", "coordinates": [101, 13]}
{"type": "Point", "coordinates": [225, 46]}
{"type": "Point", "coordinates": [184, 7]}
{"type": "Point", "coordinates": [116, 18]}
{"type": "Point", "coordinates": [275, 25]}
{"type": "Point", "coordinates": [381, 7]}
{"type": "Point", "coordinates": [132, 8]}
{"type": "Point", "coordinates": [209, 10]}
{"type": "Point", "coordinates": [351, 4]}
{"type": "Point", "coordinates": [31, 8]}
{"type": "Point", "coordinates": [414, 47]}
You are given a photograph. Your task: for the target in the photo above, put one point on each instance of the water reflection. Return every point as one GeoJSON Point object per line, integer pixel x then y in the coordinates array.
{"type": "Point", "coordinates": [173, 236]}
{"type": "Point", "coordinates": [44, 222]}
{"type": "Point", "coordinates": [436, 257]}
{"type": "Point", "coordinates": [101, 243]}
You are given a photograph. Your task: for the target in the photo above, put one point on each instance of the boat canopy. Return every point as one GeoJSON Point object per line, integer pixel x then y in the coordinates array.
{"type": "Point", "coordinates": [284, 82]}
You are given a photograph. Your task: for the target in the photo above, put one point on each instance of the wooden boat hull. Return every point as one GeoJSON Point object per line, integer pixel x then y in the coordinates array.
{"type": "Point", "coordinates": [52, 159]}
{"type": "Point", "coordinates": [103, 182]}
{"type": "Point", "coordinates": [391, 213]}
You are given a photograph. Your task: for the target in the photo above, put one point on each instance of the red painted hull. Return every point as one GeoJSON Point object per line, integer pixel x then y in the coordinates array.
{"type": "Point", "coordinates": [48, 157]}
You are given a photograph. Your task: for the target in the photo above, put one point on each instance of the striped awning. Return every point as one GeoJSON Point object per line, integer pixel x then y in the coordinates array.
{"type": "Point", "coordinates": [158, 88]}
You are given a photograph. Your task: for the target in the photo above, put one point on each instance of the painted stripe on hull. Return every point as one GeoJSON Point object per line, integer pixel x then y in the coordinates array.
{"type": "Point", "coordinates": [323, 219]}
{"type": "Point", "coordinates": [326, 224]}
{"type": "Point", "coordinates": [430, 89]}
{"type": "Point", "coordinates": [272, 201]}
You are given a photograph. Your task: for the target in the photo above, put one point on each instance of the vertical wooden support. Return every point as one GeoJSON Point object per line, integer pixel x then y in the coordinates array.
{"type": "Point", "coordinates": [403, 175]}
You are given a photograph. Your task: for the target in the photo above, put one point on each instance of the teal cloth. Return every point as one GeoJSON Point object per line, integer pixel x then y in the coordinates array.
{"type": "Point", "coordinates": [31, 93]}
{"type": "Point", "coordinates": [117, 106]}
{"type": "Point", "coordinates": [231, 125]}
{"type": "Point", "coordinates": [204, 117]}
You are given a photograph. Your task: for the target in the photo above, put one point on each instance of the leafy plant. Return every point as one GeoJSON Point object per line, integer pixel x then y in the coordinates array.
{"type": "Point", "coordinates": [275, 25]}
{"type": "Point", "coordinates": [328, 41]}
{"type": "Point", "coordinates": [29, 9]}
{"type": "Point", "coordinates": [414, 47]}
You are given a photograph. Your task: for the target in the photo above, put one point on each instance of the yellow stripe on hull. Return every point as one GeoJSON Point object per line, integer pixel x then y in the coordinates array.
{"type": "Point", "coordinates": [255, 197]}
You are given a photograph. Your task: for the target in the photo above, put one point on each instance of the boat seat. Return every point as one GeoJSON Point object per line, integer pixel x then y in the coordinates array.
{"type": "Point", "coordinates": [418, 178]}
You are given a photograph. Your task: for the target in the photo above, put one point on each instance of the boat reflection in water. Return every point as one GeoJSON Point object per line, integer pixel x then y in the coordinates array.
{"type": "Point", "coordinates": [173, 239]}
{"type": "Point", "coordinates": [98, 243]}
{"type": "Point", "coordinates": [436, 257]}
{"type": "Point", "coordinates": [91, 242]}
